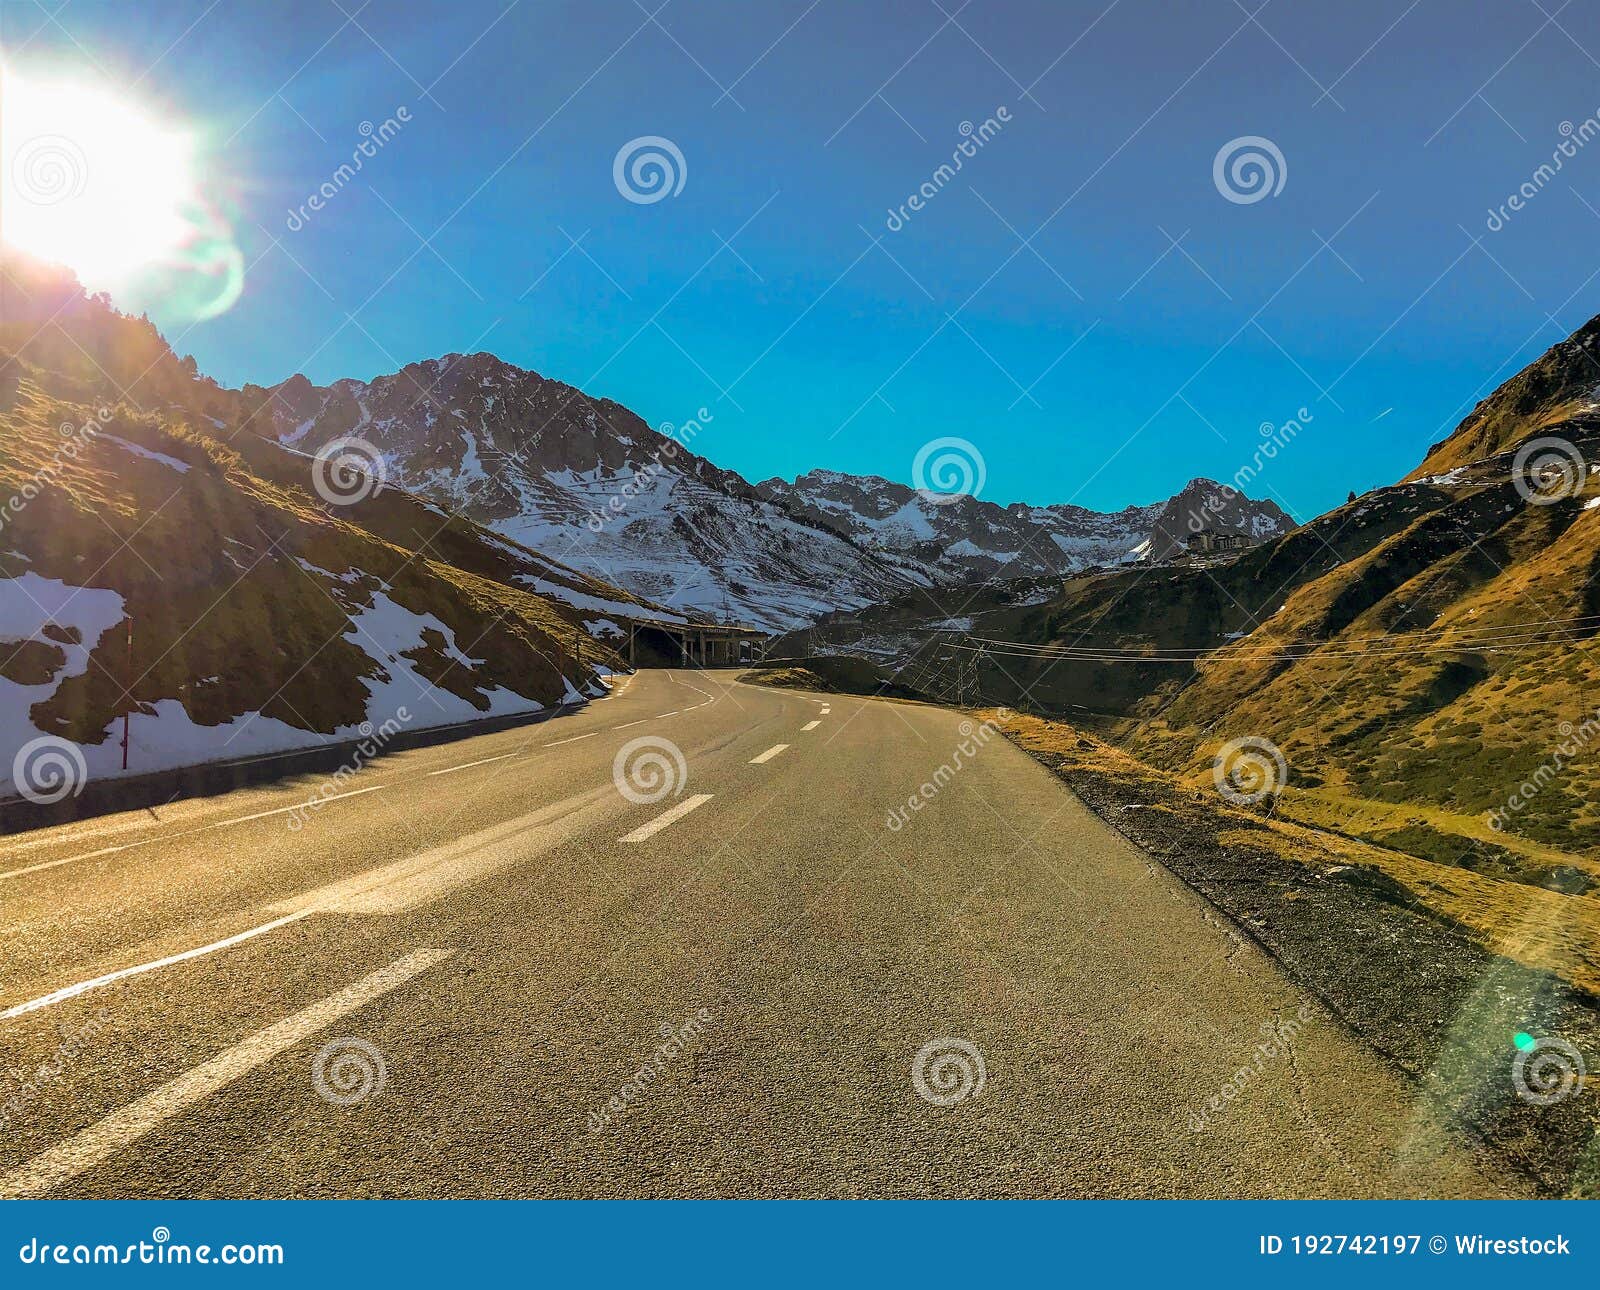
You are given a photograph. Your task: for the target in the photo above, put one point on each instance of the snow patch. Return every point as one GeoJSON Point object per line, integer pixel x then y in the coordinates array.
{"type": "Point", "coordinates": [27, 605]}
{"type": "Point", "coordinates": [384, 631]}
{"type": "Point", "coordinates": [166, 737]}
{"type": "Point", "coordinates": [149, 454]}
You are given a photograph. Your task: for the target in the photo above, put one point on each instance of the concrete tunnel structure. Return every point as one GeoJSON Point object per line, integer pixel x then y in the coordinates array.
{"type": "Point", "coordinates": [695, 644]}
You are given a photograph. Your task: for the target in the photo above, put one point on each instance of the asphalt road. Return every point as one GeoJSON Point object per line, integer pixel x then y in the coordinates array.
{"type": "Point", "coordinates": [484, 940]}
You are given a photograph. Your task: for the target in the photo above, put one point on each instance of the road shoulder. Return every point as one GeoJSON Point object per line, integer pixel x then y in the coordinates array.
{"type": "Point", "coordinates": [1443, 1001]}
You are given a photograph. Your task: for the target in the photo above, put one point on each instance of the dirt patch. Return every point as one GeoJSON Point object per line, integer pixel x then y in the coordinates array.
{"type": "Point", "coordinates": [30, 662]}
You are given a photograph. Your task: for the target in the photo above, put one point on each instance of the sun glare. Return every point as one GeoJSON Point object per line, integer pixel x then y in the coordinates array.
{"type": "Point", "coordinates": [90, 180]}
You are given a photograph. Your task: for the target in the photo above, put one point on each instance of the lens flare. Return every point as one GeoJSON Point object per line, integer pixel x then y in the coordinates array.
{"type": "Point", "coordinates": [91, 180]}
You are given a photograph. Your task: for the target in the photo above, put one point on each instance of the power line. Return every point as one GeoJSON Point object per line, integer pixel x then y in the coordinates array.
{"type": "Point", "coordinates": [1487, 633]}
{"type": "Point", "coordinates": [1368, 647]}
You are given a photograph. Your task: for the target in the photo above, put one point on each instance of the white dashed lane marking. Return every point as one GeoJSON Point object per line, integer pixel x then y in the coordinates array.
{"type": "Point", "coordinates": [83, 1151]}
{"type": "Point", "coordinates": [810, 725]}
{"type": "Point", "coordinates": [314, 802]}
{"type": "Point", "coordinates": [83, 987]}
{"type": "Point", "coordinates": [667, 818]}
{"type": "Point", "coordinates": [768, 755]}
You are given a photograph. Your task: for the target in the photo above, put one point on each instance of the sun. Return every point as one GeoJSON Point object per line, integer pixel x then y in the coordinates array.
{"type": "Point", "coordinates": [90, 180]}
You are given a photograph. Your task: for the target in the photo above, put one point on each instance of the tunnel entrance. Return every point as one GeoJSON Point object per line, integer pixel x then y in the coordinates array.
{"type": "Point", "coordinates": [694, 645]}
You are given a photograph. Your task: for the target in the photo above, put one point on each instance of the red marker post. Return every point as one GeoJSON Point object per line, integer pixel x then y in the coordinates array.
{"type": "Point", "coordinates": [127, 711]}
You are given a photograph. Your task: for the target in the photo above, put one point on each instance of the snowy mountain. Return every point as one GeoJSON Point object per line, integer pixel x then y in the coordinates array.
{"type": "Point", "coordinates": [156, 556]}
{"type": "Point", "coordinates": [588, 483]}
{"type": "Point", "coordinates": [164, 572]}
{"type": "Point", "coordinates": [966, 539]}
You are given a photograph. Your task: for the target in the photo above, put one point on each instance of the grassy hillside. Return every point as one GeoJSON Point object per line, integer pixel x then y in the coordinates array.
{"type": "Point", "coordinates": [132, 488]}
{"type": "Point", "coordinates": [1424, 656]}
{"type": "Point", "coordinates": [1560, 385]}
{"type": "Point", "coordinates": [241, 588]}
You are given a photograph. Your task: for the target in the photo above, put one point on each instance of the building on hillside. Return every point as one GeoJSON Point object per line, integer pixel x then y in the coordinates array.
{"type": "Point", "coordinates": [1210, 541]}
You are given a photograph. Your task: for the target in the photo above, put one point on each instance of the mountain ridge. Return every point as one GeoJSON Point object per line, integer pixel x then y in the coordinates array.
{"type": "Point", "coordinates": [161, 566]}
{"type": "Point", "coordinates": [970, 539]}
{"type": "Point", "coordinates": [1559, 385]}
{"type": "Point", "coordinates": [1430, 644]}
{"type": "Point", "coordinates": [591, 483]}
{"type": "Point", "coordinates": [586, 482]}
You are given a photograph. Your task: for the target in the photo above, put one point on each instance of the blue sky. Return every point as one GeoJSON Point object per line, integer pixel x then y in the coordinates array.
{"type": "Point", "coordinates": [1037, 306]}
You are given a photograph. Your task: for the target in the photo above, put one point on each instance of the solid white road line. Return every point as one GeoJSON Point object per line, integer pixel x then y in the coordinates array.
{"type": "Point", "coordinates": [670, 817]}
{"type": "Point", "coordinates": [188, 833]}
{"type": "Point", "coordinates": [83, 1151]}
{"type": "Point", "coordinates": [768, 755]}
{"type": "Point", "coordinates": [811, 725]}
{"type": "Point", "coordinates": [83, 987]}
{"type": "Point", "coordinates": [298, 806]}
{"type": "Point", "coordinates": [52, 864]}
{"type": "Point", "coordinates": [245, 819]}
{"type": "Point", "coordinates": [468, 765]}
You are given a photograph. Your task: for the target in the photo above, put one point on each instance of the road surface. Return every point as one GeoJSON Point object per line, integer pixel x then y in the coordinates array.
{"type": "Point", "coordinates": [454, 981]}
